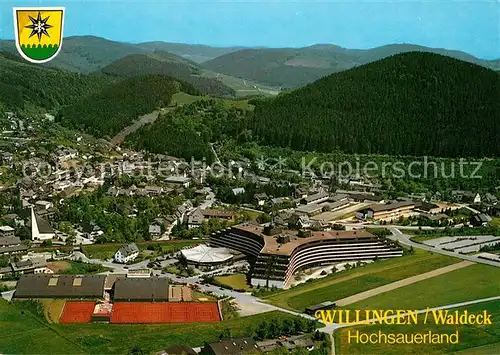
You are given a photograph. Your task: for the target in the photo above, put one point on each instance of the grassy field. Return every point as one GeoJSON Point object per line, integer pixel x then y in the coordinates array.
{"type": "Point", "coordinates": [479, 339]}
{"type": "Point", "coordinates": [52, 309]}
{"type": "Point", "coordinates": [242, 87]}
{"type": "Point", "coordinates": [236, 281]}
{"type": "Point", "coordinates": [481, 350]}
{"type": "Point", "coordinates": [181, 98]}
{"type": "Point", "coordinates": [106, 251]}
{"type": "Point", "coordinates": [78, 268]}
{"type": "Point", "coordinates": [495, 222]}
{"type": "Point", "coordinates": [29, 333]}
{"type": "Point", "coordinates": [360, 279]}
{"type": "Point", "coordinates": [470, 283]}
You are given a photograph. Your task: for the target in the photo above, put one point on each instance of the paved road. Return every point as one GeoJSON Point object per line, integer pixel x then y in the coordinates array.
{"type": "Point", "coordinates": [395, 285]}
{"type": "Point", "coordinates": [217, 160]}
{"type": "Point", "coordinates": [117, 268]}
{"type": "Point", "coordinates": [143, 120]}
{"type": "Point", "coordinates": [368, 225]}
{"type": "Point", "coordinates": [405, 240]}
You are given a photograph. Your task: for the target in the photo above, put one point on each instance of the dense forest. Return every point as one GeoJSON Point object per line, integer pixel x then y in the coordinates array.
{"type": "Point", "coordinates": [163, 63]}
{"type": "Point", "coordinates": [187, 131]}
{"type": "Point", "coordinates": [22, 83]}
{"type": "Point", "coordinates": [410, 104]}
{"type": "Point", "coordinates": [108, 111]}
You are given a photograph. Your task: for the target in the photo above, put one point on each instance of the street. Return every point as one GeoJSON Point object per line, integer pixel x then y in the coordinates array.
{"type": "Point", "coordinates": [405, 240]}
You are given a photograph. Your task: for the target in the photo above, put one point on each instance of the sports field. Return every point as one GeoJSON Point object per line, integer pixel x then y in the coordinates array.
{"type": "Point", "coordinates": [472, 339]}
{"type": "Point", "coordinates": [24, 332]}
{"type": "Point", "coordinates": [77, 312]}
{"type": "Point", "coordinates": [348, 283]}
{"type": "Point", "coordinates": [164, 312]}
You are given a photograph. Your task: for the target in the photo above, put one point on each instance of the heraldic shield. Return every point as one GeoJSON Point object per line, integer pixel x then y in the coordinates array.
{"type": "Point", "coordinates": [38, 32]}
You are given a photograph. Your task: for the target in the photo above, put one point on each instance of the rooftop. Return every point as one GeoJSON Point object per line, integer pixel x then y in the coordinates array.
{"type": "Point", "coordinates": [41, 285]}
{"type": "Point", "coordinates": [271, 245]}
{"type": "Point", "coordinates": [391, 206]}
{"type": "Point", "coordinates": [205, 254]}
{"type": "Point", "coordinates": [234, 346]}
{"type": "Point", "coordinates": [152, 288]}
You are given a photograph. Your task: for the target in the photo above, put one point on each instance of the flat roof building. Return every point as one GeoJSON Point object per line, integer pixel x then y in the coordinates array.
{"type": "Point", "coordinates": [141, 289]}
{"type": "Point", "coordinates": [64, 286]}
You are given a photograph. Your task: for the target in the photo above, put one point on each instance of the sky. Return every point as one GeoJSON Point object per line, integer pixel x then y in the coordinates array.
{"type": "Point", "coordinates": [472, 26]}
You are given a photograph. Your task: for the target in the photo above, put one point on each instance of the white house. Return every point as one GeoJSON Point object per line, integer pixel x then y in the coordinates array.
{"type": "Point", "coordinates": [127, 253]}
{"type": "Point", "coordinates": [44, 204]}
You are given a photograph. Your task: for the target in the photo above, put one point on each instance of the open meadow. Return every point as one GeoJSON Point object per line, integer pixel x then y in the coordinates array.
{"type": "Point", "coordinates": [25, 330]}
{"type": "Point", "coordinates": [347, 283]}
{"type": "Point", "coordinates": [472, 339]}
{"type": "Point", "coordinates": [473, 282]}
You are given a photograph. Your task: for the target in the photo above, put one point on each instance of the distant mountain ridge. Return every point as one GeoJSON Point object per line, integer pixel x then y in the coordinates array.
{"type": "Point", "coordinates": [85, 54]}
{"type": "Point", "coordinates": [276, 67]}
{"type": "Point", "coordinates": [295, 67]}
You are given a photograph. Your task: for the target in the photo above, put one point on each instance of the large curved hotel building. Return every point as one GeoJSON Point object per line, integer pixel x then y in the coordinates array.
{"type": "Point", "coordinates": [279, 254]}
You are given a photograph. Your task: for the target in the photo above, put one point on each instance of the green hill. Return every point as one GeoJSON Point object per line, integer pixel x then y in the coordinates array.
{"type": "Point", "coordinates": [413, 103]}
{"type": "Point", "coordinates": [110, 110]}
{"type": "Point", "coordinates": [294, 67]}
{"type": "Point", "coordinates": [188, 130]}
{"type": "Point", "coordinates": [195, 52]}
{"type": "Point", "coordinates": [85, 54]}
{"type": "Point", "coordinates": [22, 83]}
{"type": "Point", "coordinates": [164, 63]}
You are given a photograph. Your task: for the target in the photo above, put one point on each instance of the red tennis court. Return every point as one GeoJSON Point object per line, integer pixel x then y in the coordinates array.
{"type": "Point", "coordinates": [77, 312]}
{"type": "Point", "coordinates": [164, 312]}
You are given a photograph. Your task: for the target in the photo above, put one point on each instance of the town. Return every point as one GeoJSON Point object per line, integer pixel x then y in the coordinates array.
{"type": "Point", "coordinates": [106, 234]}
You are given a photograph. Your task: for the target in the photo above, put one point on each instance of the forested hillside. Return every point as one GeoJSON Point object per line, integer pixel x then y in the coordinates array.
{"type": "Point", "coordinates": [22, 83]}
{"type": "Point", "coordinates": [187, 131]}
{"type": "Point", "coordinates": [413, 103]}
{"type": "Point", "coordinates": [163, 63]}
{"type": "Point", "coordinates": [108, 111]}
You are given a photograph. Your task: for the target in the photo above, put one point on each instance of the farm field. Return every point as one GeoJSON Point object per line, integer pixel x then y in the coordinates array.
{"type": "Point", "coordinates": [478, 339]}
{"type": "Point", "coordinates": [236, 281]}
{"type": "Point", "coordinates": [348, 283]}
{"type": "Point", "coordinates": [21, 333]}
{"type": "Point", "coordinates": [470, 283]}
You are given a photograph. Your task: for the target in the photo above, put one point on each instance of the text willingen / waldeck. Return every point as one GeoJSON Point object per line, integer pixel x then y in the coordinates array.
{"type": "Point", "coordinates": [401, 316]}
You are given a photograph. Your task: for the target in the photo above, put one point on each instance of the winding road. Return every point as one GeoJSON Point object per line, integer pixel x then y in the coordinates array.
{"type": "Point", "coordinates": [405, 240]}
